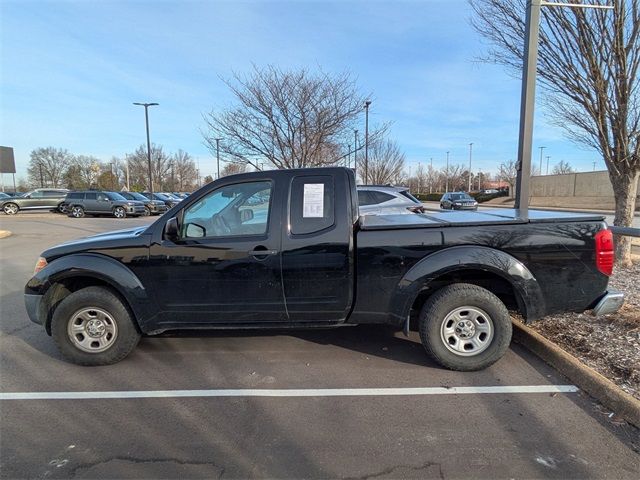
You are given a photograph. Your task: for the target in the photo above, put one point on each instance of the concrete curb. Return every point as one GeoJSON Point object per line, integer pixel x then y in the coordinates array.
{"type": "Point", "coordinates": [602, 389]}
{"type": "Point", "coordinates": [5, 233]}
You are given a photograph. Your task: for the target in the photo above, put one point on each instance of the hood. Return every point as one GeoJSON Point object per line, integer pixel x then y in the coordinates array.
{"type": "Point", "coordinates": [108, 241]}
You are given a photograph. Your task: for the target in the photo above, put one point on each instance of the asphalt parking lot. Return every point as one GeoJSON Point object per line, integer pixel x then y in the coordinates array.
{"type": "Point", "coordinates": [286, 404]}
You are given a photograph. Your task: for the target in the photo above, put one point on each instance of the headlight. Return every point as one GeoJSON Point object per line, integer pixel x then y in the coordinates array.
{"type": "Point", "coordinates": [456, 203]}
{"type": "Point", "coordinates": [131, 204]}
{"type": "Point", "coordinates": [40, 264]}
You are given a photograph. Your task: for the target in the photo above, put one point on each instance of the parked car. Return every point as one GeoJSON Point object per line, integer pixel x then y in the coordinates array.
{"type": "Point", "coordinates": [458, 201]}
{"type": "Point", "coordinates": [168, 201]}
{"type": "Point", "coordinates": [386, 200]}
{"type": "Point", "coordinates": [151, 207]}
{"type": "Point", "coordinates": [4, 195]}
{"type": "Point", "coordinates": [93, 202]}
{"type": "Point", "coordinates": [490, 191]}
{"type": "Point", "coordinates": [303, 256]}
{"type": "Point", "coordinates": [38, 199]}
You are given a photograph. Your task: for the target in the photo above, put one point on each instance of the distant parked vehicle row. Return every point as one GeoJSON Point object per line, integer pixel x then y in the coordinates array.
{"type": "Point", "coordinates": [90, 202]}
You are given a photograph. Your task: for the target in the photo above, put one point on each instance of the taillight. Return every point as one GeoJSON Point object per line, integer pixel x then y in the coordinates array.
{"type": "Point", "coordinates": [416, 209]}
{"type": "Point", "coordinates": [40, 264]}
{"type": "Point", "coordinates": [604, 251]}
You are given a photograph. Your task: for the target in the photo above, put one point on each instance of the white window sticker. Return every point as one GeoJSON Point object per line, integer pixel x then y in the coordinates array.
{"type": "Point", "coordinates": [313, 201]}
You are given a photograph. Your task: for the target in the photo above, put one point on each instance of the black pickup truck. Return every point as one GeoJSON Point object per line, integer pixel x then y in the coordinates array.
{"type": "Point", "coordinates": [287, 248]}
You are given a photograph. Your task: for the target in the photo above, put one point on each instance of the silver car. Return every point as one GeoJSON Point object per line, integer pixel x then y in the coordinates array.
{"type": "Point", "coordinates": [387, 200]}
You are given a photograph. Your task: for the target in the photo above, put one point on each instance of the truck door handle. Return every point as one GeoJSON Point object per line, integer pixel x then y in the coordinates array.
{"type": "Point", "coordinates": [261, 252]}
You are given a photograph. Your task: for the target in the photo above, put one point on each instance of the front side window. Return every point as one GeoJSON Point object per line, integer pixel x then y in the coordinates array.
{"type": "Point", "coordinates": [234, 210]}
{"type": "Point", "coordinates": [90, 196]}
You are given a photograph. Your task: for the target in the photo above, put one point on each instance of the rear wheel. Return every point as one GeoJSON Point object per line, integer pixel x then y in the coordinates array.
{"type": "Point", "coordinates": [147, 212]}
{"type": "Point", "coordinates": [465, 327]}
{"type": "Point", "coordinates": [92, 326]}
{"type": "Point", "coordinates": [10, 208]}
{"type": "Point", "coordinates": [77, 211]}
{"type": "Point", "coordinates": [119, 212]}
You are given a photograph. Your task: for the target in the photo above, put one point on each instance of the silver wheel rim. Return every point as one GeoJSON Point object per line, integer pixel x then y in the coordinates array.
{"type": "Point", "coordinates": [118, 212]}
{"type": "Point", "coordinates": [76, 212]}
{"type": "Point", "coordinates": [92, 330]}
{"type": "Point", "coordinates": [10, 209]}
{"type": "Point", "coordinates": [467, 331]}
{"type": "Point", "coordinates": [147, 211]}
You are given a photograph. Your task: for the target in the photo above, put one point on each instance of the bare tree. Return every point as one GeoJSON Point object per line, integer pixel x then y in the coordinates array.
{"type": "Point", "coordinates": [82, 172]}
{"type": "Point", "coordinates": [233, 168]}
{"type": "Point", "coordinates": [48, 166]}
{"type": "Point", "coordinates": [562, 168]}
{"type": "Point", "coordinates": [184, 171]}
{"type": "Point", "coordinates": [507, 173]}
{"type": "Point", "coordinates": [386, 162]}
{"type": "Point", "coordinates": [588, 68]}
{"type": "Point", "coordinates": [139, 170]}
{"type": "Point", "coordinates": [288, 119]}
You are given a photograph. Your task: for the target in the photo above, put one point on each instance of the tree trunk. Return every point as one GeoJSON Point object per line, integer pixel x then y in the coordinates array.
{"type": "Point", "coordinates": [625, 189]}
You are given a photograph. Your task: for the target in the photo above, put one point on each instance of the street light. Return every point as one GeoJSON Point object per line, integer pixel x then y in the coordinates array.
{"type": "Point", "coordinates": [548, 157]}
{"type": "Point", "coordinates": [470, 150]}
{"type": "Point", "coordinates": [355, 152]}
{"type": "Point", "coordinates": [366, 140]}
{"type": "Point", "coordinates": [218, 154]}
{"type": "Point", "coordinates": [541, 150]}
{"type": "Point", "coordinates": [146, 119]}
{"type": "Point", "coordinates": [446, 188]}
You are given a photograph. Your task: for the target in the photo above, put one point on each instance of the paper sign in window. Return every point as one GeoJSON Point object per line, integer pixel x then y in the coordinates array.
{"type": "Point", "coordinates": [313, 200]}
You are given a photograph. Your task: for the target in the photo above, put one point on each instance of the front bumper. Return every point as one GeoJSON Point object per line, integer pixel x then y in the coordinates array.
{"type": "Point", "coordinates": [154, 208]}
{"type": "Point", "coordinates": [32, 304]}
{"type": "Point", "coordinates": [135, 210]}
{"type": "Point", "coordinates": [465, 207]}
{"type": "Point", "coordinates": [610, 302]}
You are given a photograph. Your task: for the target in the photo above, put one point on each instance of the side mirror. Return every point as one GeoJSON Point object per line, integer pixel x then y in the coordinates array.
{"type": "Point", "coordinates": [193, 230]}
{"type": "Point", "coordinates": [246, 215]}
{"type": "Point", "coordinates": [171, 230]}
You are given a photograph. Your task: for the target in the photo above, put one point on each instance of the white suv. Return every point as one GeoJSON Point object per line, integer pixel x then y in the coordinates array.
{"type": "Point", "coordinates": [387, 200]}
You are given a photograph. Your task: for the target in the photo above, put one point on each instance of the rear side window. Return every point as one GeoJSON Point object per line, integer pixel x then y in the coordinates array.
{"type": "Point", "coordinates": [406, 194]}
{"type": "Point", "coordinates": [75, 195]}
{"type": "Point", "coordinates": [312, 205]}
{"type": "Point", "coordinates": [381, 197]}
{"type": "Point", "coordinates": [364, 198]}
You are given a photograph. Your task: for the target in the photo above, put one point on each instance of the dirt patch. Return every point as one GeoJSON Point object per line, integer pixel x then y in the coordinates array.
{"type": "Point", "coordinates": [610, 344]}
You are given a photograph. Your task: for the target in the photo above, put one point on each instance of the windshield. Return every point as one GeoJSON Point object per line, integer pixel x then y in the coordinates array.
{"type": "Point", "coordinates": [115, 196]}
{"type": "Point", "coordinates": [138, 196]}
{"type": "Point", "coordinates": [460, 196]}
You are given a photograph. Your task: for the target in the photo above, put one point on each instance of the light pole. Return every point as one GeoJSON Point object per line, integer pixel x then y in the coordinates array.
{"type": "Point", "coordinates": [548, 157]}
{"type": "Point", "coordinates": [366, 140]}
{"type": "Point", "coordinates": [355, 153]}
{"type": "Point", "coordinates": [541, 150]}
{"type": "Point", "coordinates": [218, 154]}
{"type": "Point", "coordinates": [431, 177]}
{"type": "Point", "coordinates": [446, 188]}
{"type": "Point", "coordinates": [113, 177]}
{"type": "Point", "coordinates": [594, 166]}
{"type": "Point", "coordinates": [527, 99]}
{"type": "Point", "coordinates": [146, 119]}
{"type": "Point", "coordinates": [470, 150]}
{"type": "Point", "coordinates": [128, 187]}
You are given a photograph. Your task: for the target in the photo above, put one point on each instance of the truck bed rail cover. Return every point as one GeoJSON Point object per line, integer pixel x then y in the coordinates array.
{"type": "Point", "coordinates": [466, 218]}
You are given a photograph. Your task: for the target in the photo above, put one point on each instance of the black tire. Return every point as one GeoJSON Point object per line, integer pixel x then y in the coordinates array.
{"type": "Point", "coordinates": [119, 212]}
{"type": "Point", "coordinates": [443, 337]}
{"type": "Point", "coordinates": [76, 211]}
{"type": "Point", "coordinates": [147, 212]}
{"type": "Point", "coordinates": [97, 300]}
{"type": "Point", "coordinates": [10, 208]}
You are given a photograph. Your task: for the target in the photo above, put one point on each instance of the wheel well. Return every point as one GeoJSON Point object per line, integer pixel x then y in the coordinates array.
{"type": "Point", "coordinates": [66, 286]}
{"type": "Point", "coordinates": [496, 284]}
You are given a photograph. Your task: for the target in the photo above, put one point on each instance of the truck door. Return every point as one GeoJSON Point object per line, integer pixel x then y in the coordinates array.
{"type": "Point", "coordinates": [225, 266]}
{"type": "Point", "coordinates": [317, 248]}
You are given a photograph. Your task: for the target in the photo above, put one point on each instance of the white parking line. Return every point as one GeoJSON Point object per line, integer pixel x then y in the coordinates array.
{"type": "Point", "coordinates": [311, 392]}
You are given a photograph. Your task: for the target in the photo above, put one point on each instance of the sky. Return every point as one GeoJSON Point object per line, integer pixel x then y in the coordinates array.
{"type": "Point", "coordinates": [70, 70]}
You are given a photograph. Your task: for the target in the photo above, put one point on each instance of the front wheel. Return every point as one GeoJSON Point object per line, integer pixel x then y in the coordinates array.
{"type": "Point", "coordinates": [92, 326]}
{"type": "Point", "coordinates": [77, 211]}
{"type": "Point", "coordinates": [119, 212]}
{"type": "Point", "coordinates": [10, 208]}
{"type": "Point", "coordinates": [147, 212]}
{"type": "Point", "coordinates": [465, 327]}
